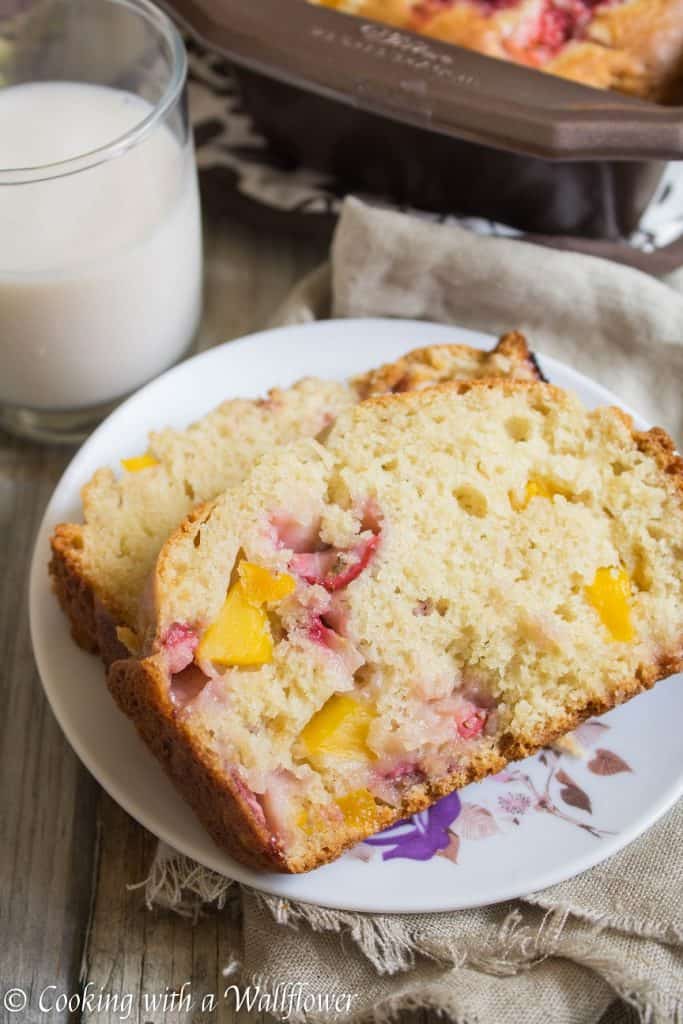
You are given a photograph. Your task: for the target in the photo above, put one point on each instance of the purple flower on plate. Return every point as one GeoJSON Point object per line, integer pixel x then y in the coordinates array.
{"type": "Point", "coordinates": [514, 803]}
{"type": "Point", "coordinates": [423, 835]}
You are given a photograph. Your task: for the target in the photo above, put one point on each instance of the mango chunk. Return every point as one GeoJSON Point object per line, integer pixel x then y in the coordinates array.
{"type": "Point", "coordinates": [262, 586]}
{"type": "Point", "coordinates": [536, 487]}
{"type": "Point", "coordinates": [610, 595]}
{"type": "Point", "coordinates": [302, 822]}
{"type": "Point", "coordinates": [240, 635]}
{"type": "Point", "coordinates": [311, 820]}
{"type": "Point", "coordinates": [359, 809]}
{"type": "Point", "coordinates": [139, 462]}
{"type": "Point", "coordinates": [339, 729]}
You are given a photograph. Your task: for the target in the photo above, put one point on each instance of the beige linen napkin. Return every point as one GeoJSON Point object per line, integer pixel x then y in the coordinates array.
{"type": "Point", "coordinates": [617, 324]}
{"type": "Point", "coordinates": [563, 954]}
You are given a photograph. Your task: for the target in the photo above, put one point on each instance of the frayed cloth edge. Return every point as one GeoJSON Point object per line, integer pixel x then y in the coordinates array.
{"type": "Point", "coordinates": [178, 883]}
{"type": "Point", "coordinates": [621, 920]}
{"type": "Point", "coordinates": [389, 949]}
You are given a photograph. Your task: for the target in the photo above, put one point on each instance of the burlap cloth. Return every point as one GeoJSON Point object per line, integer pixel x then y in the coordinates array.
{"type": "Point", "coordinates": [607, 945]}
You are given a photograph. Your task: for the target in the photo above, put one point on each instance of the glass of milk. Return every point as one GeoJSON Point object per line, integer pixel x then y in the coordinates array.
{"type": "Point", "coordinates": [100, 231]}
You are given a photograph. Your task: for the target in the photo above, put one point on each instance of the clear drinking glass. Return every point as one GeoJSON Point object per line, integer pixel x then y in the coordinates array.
{"type": "Point", "coordinates": [100, 230]}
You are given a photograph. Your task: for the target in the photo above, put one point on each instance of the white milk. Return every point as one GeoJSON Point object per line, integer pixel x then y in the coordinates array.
{"type": "Point", "coordinates": [100, 271]}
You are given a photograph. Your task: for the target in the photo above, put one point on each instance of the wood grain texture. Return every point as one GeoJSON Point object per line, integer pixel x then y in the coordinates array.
{"type": "Point", "coordinates": [47, 820]}
{"type": "Point", "coordinates": [151, 954]}
{"type": "Point", "coordinates": [247, 276]}
{"type": "Point", "coordinates": [49, 804]}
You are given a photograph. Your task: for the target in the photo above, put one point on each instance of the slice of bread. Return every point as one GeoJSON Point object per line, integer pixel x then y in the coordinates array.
{"type": "Point", "coordinates": [99, 567]}
{"type": "Point", "coordinates": [456, 577]}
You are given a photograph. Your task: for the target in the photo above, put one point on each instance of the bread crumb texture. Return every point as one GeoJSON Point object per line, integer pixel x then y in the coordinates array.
{"type": "Point", "coordinates": [475, 569]}
{"type": "Point", "coordinates": [100, 567]}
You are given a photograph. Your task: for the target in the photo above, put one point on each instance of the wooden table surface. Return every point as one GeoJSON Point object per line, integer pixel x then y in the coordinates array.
{"type": "Point", "coordinates": [67, 852]}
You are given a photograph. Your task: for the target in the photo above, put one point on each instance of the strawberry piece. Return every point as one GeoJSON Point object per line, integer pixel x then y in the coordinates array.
{"type": "Point", "coordinates": [399, 770]}
{"type": "Point", "coordinates": [371, 517]}
{"type": "Point", "coordinates": [555, 28]}
{"type": "Point", "coordinates": [278, 801]}
{"type": "Point", "coordinates": [298, 537]}
{"type": "Point", "coordinates": [247, 796]}
{"type": "Point", "coordinates": [334, 569]}
{"type": "Point", "coordinates": [336, 614]}
{"type": "Point", "coordinates": [471, 723]}
{"type": "Point", "coordinates": [350, 657]}
{"type": "Point", "coordinates": [187, 685]}
{"type": "Point", "coordinates": [541, 36]}
{"type": "Point", "coordinates": [314, 566]}
{"type": "Point", "coordinates": [179, 643]}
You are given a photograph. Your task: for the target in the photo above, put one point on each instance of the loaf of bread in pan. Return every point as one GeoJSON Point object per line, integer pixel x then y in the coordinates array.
{"type": "Point", "coordinates": [99, 567]}
{"type": "Point", "coordinates": [456, 577]}
{"type": "Point", "coordinates": [633, 46]}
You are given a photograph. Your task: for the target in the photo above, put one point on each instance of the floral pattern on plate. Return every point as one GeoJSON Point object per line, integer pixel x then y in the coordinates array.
{"type": "Point", "coordinates": [542, 785]}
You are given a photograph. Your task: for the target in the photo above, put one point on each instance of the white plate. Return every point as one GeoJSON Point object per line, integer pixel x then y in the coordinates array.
{"type": "Point", "coordinates": [507, 836]}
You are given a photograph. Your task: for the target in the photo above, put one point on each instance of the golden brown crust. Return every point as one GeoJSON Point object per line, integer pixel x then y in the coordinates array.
{"type": "Point", "coordinates": [514, 345]}
{"type": "Point", "coordinates": [425, 367]}
{"type": "Point", "coordinates": [516, 748]}
{"type": "Point", "coordinates": [658, 445]}
{"type": "Point", "coordinates": [74, 592]}
{"type": "Point", "coordinates": [93, 625]}
{"type": "Point", "coordinates": [141, 690]}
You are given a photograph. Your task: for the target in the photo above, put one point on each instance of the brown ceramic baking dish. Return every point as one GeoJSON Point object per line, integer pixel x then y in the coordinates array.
{"type": "Point", "coordinates": [439, 127]}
